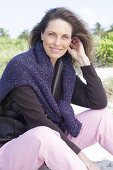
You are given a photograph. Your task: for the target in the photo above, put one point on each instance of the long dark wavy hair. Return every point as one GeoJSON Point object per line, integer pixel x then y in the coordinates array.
{"type": "Point", "coordinates": [79, 28]}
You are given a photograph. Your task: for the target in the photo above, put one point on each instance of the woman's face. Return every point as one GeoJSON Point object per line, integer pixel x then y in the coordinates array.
{"type": "Point", "coordinates": [56, 38]}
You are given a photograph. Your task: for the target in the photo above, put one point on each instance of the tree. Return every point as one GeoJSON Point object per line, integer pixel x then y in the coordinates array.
{"type": "Point", "coordinates": [111, 28]}
{"type": "Point", "coordinates": [3, 33]}
{"type": "Point", "coordinates": [24, 35]}
{"type": "Point", "coordinates": [98, 30]}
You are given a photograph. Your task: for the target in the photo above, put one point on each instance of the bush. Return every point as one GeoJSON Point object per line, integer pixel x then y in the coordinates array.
{"type": "Point", "coordinates": [104, 49]}
{"type": "Point", "coordinates": [9, 48]}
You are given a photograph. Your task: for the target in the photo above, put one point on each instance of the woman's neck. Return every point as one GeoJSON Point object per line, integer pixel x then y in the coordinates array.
{"type": "Point", "coordinates": [53, 61]}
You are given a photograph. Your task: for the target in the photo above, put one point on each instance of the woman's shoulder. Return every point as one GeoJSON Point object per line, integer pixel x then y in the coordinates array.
{"type": "Point", "coordinates": [20, 60]}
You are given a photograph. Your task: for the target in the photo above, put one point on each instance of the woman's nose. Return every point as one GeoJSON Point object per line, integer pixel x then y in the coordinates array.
{"type": "Point", "coordinates": [57, 41]}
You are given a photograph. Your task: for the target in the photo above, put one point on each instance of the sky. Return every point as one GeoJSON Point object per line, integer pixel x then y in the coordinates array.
{"type": "Point", "coordinates": [19, 15]}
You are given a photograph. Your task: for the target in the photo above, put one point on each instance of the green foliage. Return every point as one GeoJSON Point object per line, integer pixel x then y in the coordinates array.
{"type": "Point", "coordinates": [24, 35]}
{"type": "Point", "coordinates": [104, 48]}
{"type": "Point", "coordinates": [110, 29]}
{"type": "Point", "coordinates": [9, 48]}
{"type": "Point", "coordinates": [3, 33]}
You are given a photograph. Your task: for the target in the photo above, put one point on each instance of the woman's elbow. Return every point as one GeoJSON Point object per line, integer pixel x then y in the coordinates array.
{"type": "Point", "coordinates": [101, 104]}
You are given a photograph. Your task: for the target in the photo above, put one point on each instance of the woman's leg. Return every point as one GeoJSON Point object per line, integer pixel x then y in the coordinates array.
{"type": "Point", "coordinates": [97, 126]}
{"type": "Point", "coordinates": [30, 150]}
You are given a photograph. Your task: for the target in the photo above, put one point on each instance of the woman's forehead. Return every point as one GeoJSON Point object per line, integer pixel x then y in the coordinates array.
{"type": "Point", "coordinates": [59, 25]}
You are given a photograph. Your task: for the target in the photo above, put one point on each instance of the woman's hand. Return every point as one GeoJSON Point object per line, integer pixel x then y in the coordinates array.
{"type": "Point", "coordinates": [76, 50]}
{"type": "Point", "coordinates": [89, 164]}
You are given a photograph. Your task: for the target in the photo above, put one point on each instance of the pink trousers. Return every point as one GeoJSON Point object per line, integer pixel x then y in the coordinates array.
{"type": "Point", "coordinates": [42, 144]}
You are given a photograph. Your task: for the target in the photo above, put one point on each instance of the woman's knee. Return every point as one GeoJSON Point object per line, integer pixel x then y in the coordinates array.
{"type": "Point", "coordinates": [42, 133]}
{"type": "Point", "coordinates": [101, 113]}
{"type": "Point", "coordinates": [92, 118]}
{"type": "Point", "coordinates": [97, 115]}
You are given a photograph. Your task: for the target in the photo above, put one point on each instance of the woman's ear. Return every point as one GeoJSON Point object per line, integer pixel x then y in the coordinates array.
{"type": "Point", "coordinates": [71, 42]}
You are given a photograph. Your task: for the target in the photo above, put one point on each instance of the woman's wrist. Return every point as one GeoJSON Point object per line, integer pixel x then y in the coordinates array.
{"type": "Point", "coordinates": [84, 61]}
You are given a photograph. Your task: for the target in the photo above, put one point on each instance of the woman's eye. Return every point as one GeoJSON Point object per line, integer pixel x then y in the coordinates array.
{"type": "Point", "coordinates": [65, 37]}
{"type": "Point", "coordinates": [51, 34]}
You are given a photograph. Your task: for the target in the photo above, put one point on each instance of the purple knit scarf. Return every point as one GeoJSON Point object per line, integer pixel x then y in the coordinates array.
{"type": "Point", "coordinates": [33, 68]}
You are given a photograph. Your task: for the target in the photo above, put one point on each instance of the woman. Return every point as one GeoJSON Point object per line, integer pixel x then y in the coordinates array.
{"type": "Point", "coordinates": [42, 83]}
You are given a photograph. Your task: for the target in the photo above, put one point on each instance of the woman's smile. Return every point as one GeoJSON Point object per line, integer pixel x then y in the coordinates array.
{"type": "Point", "coordinates": [55, 50]}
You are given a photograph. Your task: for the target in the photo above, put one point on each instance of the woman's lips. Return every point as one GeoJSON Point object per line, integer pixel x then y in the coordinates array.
{"type": "Point", "coordinates": [55, 50]}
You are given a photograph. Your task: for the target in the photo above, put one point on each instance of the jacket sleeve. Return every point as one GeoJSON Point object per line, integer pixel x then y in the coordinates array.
{"type": "Point", "coordinates": [92, 94]}
{"type": "Point", "coordinates": [33, 113]}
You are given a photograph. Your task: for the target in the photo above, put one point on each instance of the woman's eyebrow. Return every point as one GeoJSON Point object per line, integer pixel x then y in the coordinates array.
{"type": "Point", "coordinates": [56, 33]}
{"type": "Point", "coordinates": [52, 31]}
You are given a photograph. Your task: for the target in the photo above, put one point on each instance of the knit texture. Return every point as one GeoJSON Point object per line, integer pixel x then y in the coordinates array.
{"type": "Point", "coordinates": [34, 68]}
